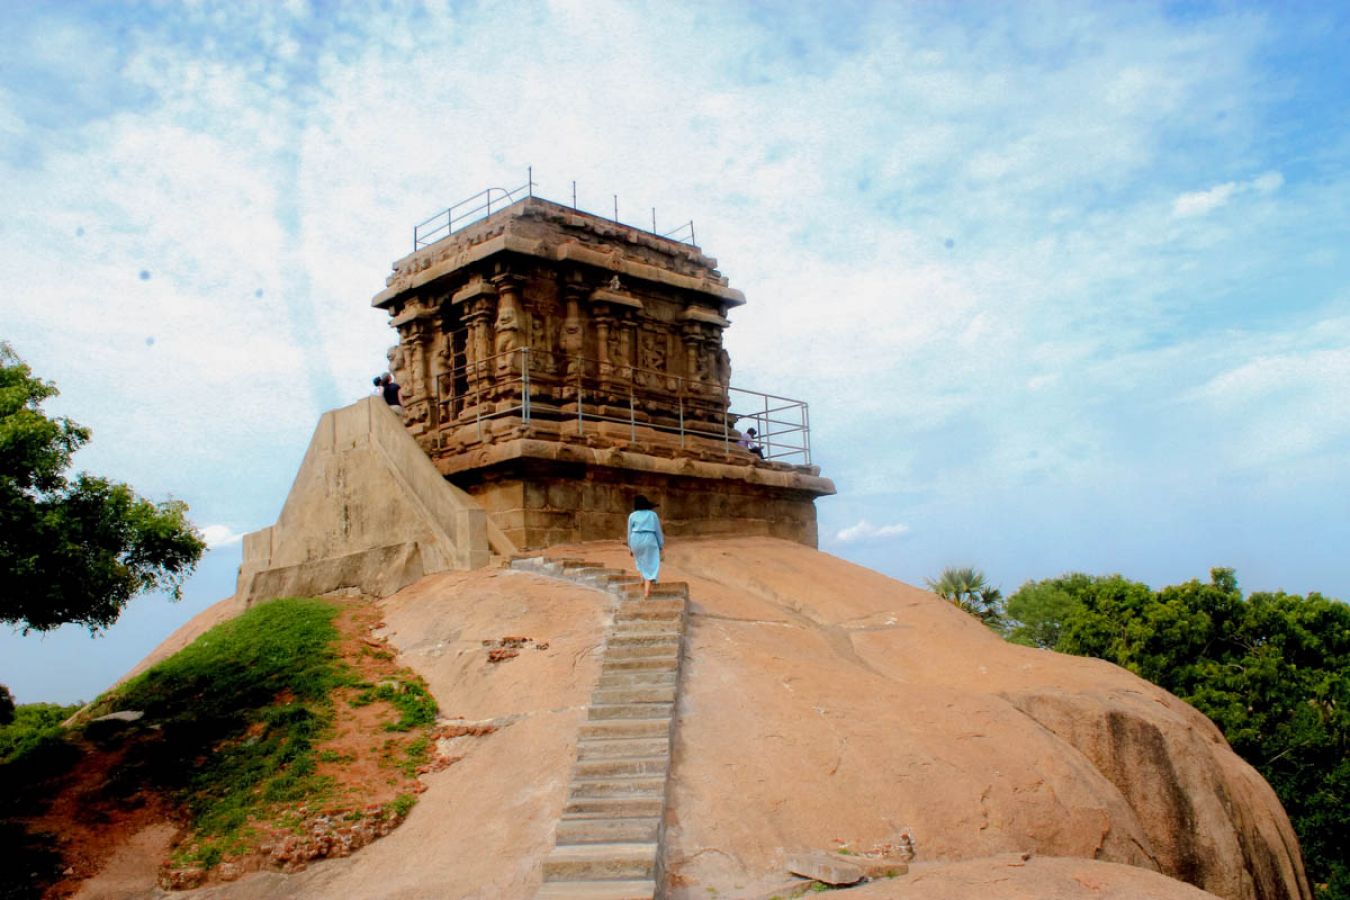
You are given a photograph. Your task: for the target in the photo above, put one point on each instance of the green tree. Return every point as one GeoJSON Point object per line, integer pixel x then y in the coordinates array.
{"type": "Point", "coordinates": [967, 588]}
{"type": "Point", "coordinates": [1272, 670]}
{"type": "Point", "coordinates": [1038, 610]}
{"type": "Point", "coordinates": [74, 549]}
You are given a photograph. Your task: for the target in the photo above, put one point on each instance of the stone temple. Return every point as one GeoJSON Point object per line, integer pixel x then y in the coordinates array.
{"type": "Point", "coordinates": [554, 363]}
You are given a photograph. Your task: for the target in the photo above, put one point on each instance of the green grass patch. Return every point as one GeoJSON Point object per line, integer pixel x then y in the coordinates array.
{"type": "Point", "coordinates": [233, 732]}
{"type": "Point", "coordinates": [402, 805]}
{"type": "Point", "coordinates": [240, 710]}
{"type": "Point", "coordinates": [410, 698]}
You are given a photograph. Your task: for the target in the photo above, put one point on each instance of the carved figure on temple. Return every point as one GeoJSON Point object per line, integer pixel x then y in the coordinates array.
{"type": "Point", "coordinates": [618, 350]}
{"type": "Point", "coordinates": [541, 353]}
{"type": "Point", "coordinates": [658, 352]}
{"type": "Point", "coordinates": [705, 363]}
{"type": "Point", "coordinates": [573, 338]}
{"type": "Point", "coordinates": [724, 368]}
{"type": "Point", "coordinates": [652, 358]}
{"type": "Point", "coordinates": [508, 331]}
{"type": "Point", "coordinates": [442, 373]}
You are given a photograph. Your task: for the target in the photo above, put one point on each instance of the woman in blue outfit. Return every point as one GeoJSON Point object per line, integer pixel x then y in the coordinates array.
{"type": "Point", "coordinates": [645, 541]}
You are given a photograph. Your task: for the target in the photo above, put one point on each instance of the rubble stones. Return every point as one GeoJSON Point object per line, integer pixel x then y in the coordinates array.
{"type": "Point", "coordinates": [184, 879]}
{"type": "Point", "coordinates": [824, 868]}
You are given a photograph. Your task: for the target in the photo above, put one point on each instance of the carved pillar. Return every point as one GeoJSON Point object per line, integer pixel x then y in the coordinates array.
{"type": "Point", "coordinates": [476, 302]}
{"type": "Point", "coordinates": [512, 326]}
{"type": "Point", "coordinates": [416, 325]}
{"type": "Point", "coordinates": [442, 379]}
{"type": "Point", "coordinates": [602, 323]}
{"type": "Point", "coordinates": [572, 340]}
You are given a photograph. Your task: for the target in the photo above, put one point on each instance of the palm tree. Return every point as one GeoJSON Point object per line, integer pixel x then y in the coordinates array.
{"type": "Point", "coordinates": [967, 589]}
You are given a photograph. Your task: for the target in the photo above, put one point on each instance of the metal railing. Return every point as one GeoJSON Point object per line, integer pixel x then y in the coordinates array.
{"type": "Point", "coordinates": [469, 210]}
{"type": "Point", "coordinates": [529, 384]}
{"type": "Point", "coordinates": [481, 205]}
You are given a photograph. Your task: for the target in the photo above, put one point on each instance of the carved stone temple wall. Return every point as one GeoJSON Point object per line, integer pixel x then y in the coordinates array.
{"type": "Point", "coordinates": [554, 363]}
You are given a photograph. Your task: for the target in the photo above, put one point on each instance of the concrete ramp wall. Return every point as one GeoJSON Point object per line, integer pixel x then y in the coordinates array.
{"type": "Point", "coordinates": [368, 511]}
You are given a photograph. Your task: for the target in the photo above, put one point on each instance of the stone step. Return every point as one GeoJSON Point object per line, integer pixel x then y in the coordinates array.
{"type": "Point", "coordinates": [644, 693]}
{"type": "Point", "coordinates": [570, 564]}
{"type": "Point", "coordinates": [600, 748]}
{"type": "Point", "coordinates": [670, 627]}
{"type": "Point", "coordinates": [631, 711]}
{"type": "Point", "coordinates": [599, 570]}
{"type": "Point", "coordinates": [597, 890]}
{"type": "Point", "coordinates": [639, 651]}
{"type": "Point", "coordinates": [595, 577]}
{"type": "Point", "coordinates": [660, 591]}
{"type": "Point", "coordinates": [646, 638]}
{"type": "Point", "coordinates": [623, 729]}
{"type": "Point", "coordinates": [630, 786]}
{"type": "Point", "coordinates": [634, 677]}
{"type": "Point", "coordinates": [618, 767]}
{"type": "Point", "coordinates": [606, 831]}
{"type": "Point", "coordinates": [650, 609]}
{"type": "Point", "coordinates": [665, 623]}
{"type": "Point", "coordinates": [611, 807]}
{"type": "Point", "coordinates": [574, 862]}
{"type": "Point", "coordinates": [627, 662]}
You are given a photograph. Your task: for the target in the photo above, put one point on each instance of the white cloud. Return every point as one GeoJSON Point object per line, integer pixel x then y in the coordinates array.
{"type": "Point", "coordinates": [1199, 203]}
{"type": "Point", "coordinates": [1268, 182]}
{"type": "Point", "coordinates": [217, 536]}
{"type": "Point", "coordinates": [864, 530]}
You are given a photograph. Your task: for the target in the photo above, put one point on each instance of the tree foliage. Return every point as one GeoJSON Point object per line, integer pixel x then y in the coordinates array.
{"type": "Point", "coordinates": [74, 549]}
{"type": "Point", "coordinates": [1272, 670]}
{"type": "Point", "coordinates": [968, 589]}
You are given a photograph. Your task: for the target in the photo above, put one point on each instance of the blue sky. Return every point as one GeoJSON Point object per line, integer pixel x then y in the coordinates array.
{"type": "Point", "coordinates": [1067, 287]}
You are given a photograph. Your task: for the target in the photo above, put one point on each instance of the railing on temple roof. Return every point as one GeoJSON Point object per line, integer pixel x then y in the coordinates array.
{"type": "Point", "coordinates": [481, 205]}
{"type": "Point", "coordinates": [588, 395]}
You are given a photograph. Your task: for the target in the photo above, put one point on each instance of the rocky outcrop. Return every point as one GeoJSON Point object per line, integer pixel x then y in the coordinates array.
{"type": "Point", "coordinates": [824, 702]}
{"type": "Point", "coordinates": [822, 705]}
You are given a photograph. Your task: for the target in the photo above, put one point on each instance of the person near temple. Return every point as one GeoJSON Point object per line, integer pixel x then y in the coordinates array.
{"type": "Point", "coordinates": [645, 541]}
{"type": "Point", "coordinates": [748, 443]}
{"type": "Point", "coordinates": [390, 390]}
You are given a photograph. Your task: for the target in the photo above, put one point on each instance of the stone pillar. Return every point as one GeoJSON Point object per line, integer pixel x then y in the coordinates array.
{"type": "Point", "coordinates": [476, 302]}
{"type": "Point", "coordinates": [511, 328]}
{"type": "Point", "coordinates": [572, 340]}
{"type": "Point", "coordinates": [442, 379]}
{"type": "Point", "coordinates": [416, 325]}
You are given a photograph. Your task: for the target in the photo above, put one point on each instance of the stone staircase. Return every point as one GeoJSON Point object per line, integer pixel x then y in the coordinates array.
{"type": "Point", "coordinates": [608, 844]}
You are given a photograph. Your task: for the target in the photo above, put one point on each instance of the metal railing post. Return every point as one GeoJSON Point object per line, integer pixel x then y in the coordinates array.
{"type": "Point", "coordinates": [806, 431]}
{"type": "Point", "coordinates": [525, 385]}
{"type": "Point", "coordinates": [682, 416]}
{"type": "Point", "coordinates": [767, 437]}
{"type": "Point", "coordinates": [632, 421]}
